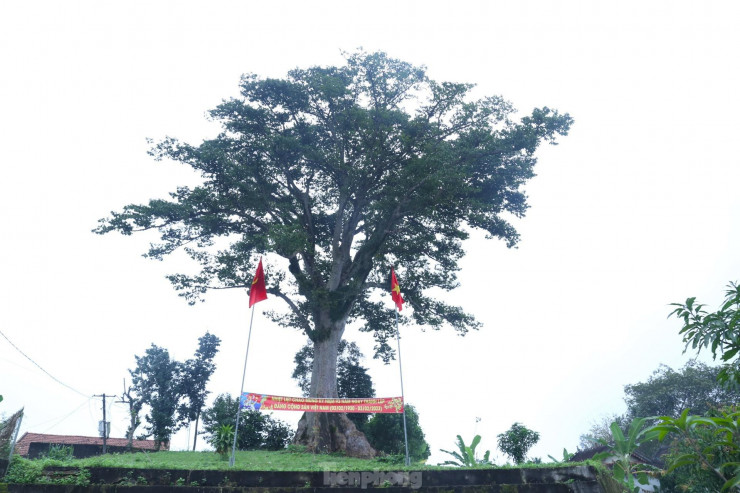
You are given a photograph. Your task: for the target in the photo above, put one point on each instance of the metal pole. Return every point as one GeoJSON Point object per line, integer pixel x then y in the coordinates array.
{"type": "Point", "coordinates": [400, 369]}
{"type": "Point", "coordinates": [238, 407]}
{"type": "Point", "coordinates": [105, 423]}
{"type": "Point", "coordinates": [105, 430]}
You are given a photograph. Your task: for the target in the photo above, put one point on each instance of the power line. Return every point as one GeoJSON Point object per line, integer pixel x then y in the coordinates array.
{"type": "Point", "coordinates": [39, 367]}
{"type": "Point", "coordinates": [58, 419]}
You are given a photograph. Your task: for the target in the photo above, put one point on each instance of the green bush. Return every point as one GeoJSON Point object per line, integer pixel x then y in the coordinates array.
{"type": "Point", "coordinates": [23, 471]}
{"type": "Point", "coordinates": [385, 434]}
{"type": "Point", "coordinates": [60, 452]}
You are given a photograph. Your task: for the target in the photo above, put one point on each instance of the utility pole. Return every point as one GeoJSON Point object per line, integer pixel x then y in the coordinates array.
{"type": "Point", "coordinates": [105, 423]}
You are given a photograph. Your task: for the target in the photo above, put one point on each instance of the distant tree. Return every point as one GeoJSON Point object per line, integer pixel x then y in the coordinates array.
{"type": "Point", "coordinates": [668, 392]}
{"type": "Point", "coordinates": [195, 375]}
{"type": "Point", "coordinates": [135, 403]}
{"type": "Point", "coordinates": [601, 430]}
{"type": "Point", "coordinates": [353, 381]}
{"type": "Point", "coordinates": [516, 442]}
{"type": "Point", "coordinates": [342, 172]}
{"type": "Point", "coordinates": [256, 430]}
{"type": "Point", "coordinates": [156, 380]}
{"type": "Point", "coordinates": [385, 432]}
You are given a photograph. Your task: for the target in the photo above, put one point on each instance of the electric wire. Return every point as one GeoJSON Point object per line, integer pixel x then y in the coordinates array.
{"type": "Point", "coordinates": [40, 368]}
{"type": "Point", "coordinates": [39, 424]}
{"type": "Point", "coordinates": [67, 416]}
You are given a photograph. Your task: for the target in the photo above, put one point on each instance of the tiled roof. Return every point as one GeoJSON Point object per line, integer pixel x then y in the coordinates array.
{"type": "Point", "coordinates": [22, 445]}
{"type": "Point", "coordinates": [582, 455]}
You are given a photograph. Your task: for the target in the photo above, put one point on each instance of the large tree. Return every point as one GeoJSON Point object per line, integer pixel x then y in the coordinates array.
{"type": "Point", "coordinates": [340, 173]}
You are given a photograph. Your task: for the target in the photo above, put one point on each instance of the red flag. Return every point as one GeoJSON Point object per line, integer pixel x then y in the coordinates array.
{"type": "Point", "coordinates": [396, 291]}
{"type": "Point", "coordinates": [258, 292]}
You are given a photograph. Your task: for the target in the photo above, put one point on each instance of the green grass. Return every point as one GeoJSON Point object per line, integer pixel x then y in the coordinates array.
{"type": "Point", "coordinates": [255, 460]}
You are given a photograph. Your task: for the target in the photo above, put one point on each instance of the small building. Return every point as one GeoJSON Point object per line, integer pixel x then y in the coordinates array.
{"type": "Point", "coordinates": [35, 445]}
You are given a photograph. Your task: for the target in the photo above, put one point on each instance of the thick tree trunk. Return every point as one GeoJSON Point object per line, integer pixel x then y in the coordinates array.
{"type": "Point", "coordinates": [330, 432]}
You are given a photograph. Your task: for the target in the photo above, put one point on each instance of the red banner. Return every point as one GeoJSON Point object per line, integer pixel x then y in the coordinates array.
{"type": "Point", "coordinates": [259, 402]}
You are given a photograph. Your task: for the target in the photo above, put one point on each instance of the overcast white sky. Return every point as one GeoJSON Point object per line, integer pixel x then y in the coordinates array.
{"type": "Point", "coordinates": [637, 208]}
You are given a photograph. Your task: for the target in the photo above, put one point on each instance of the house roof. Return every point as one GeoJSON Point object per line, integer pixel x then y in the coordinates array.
{"type": "Point", "coordinates": [589, 453]}
{"type": "Point", "coordinates": [23, 444]}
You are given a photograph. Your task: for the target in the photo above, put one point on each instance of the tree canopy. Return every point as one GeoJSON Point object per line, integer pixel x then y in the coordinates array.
{"type": "Point", "coordinates": [156, 379]}
{"type": "Point", "coordinates": [174, 392]}
{"type": "Point", "coordinates": [668, 392]}
{"type": "Point", "coordinates": [344, 171]}
{"type": "Point", "coordinates": [385, 432]}
{"type": "Point", "coordinates": [195, 375]}
{"type": "Point", "coordinates": [256, 430]}
{"type": "Point", "coordinates": [516, 442]}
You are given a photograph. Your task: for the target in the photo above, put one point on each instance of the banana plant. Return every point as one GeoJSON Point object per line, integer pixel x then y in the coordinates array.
{"type": "Point", "coordinates": [621, 452]}
{"type": "Point", "coordinates": [566, 456]}
{"type": "Point", "coordinates": [223, 439]}
{"type": "Point", "coordinates": [466, 455]}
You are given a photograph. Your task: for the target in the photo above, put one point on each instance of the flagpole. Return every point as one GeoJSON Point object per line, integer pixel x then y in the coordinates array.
{"type": "Point", "coordinates": [400, 369]}
{"type": "Point", "coordinates": [241, 391]}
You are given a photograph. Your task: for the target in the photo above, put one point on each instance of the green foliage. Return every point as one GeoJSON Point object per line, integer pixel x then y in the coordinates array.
{"type": "Point", "coordinates": [465, 456]}
{"type": "Point", "coordinates": [277, 434]}
{"type": "Point", "coordinates": [23, 471]}
{"type": "Point", "coordinates": [385, 434]}
{"type": "Point", "coordinates": [706, 444]}
{"type": "Point", "coordinates": [516, 442]}
{"type": "Point", "coordinates": [223, 440]}
{"type": "Point", "coordinates": [705, 448]}
{"type": "Point", "coordinates": [601, 430]}
{"type": "Point", "coordinates": [669, 393]}
{"type": "Point", "coordinates": [156, 379]}
{"type": "Point", "coordinates": [59, 452]}
{"type": "Point", "coordinates": [353, 381]}
{"type": "Point", "coordinates": [566, 456]}
{"type": "Point", "coordinates": [174, 392]}
{"type": "Point", "coordinates": [341, 172]}
{"type": "Point", "coordinates": [621, 448]}
{"type": "Point", "coordinates": [716, 330]}
{"type": "Point", "coordinates": [256, 430]}
{"type": "Point", "coordinates": [195, 374]}
{"type": "Point", "coordinates": [666, 392]}
{"type": "Point", "coordinates": [294, 458]}
{"type": "Point", "coordinates": [81, 478]}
